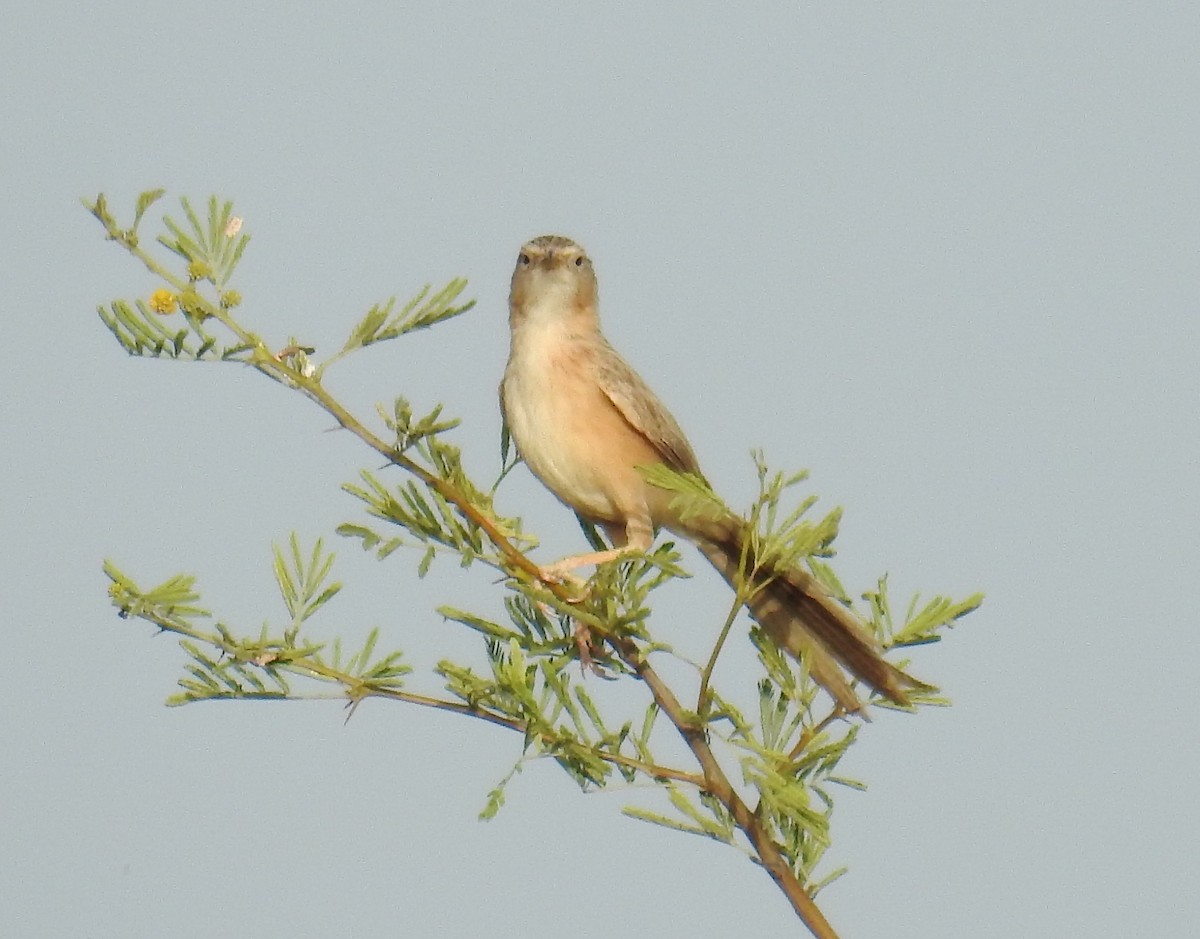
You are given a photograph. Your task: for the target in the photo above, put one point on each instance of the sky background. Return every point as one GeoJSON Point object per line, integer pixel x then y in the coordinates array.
{"type": "Point", "coordinates": [943, 255]}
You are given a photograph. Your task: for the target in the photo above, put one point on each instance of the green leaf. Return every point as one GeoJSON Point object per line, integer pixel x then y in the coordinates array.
{"type": "Point", "coordinates": [144, 201]}
{"type": "Point", "coordinates": [654, 818]}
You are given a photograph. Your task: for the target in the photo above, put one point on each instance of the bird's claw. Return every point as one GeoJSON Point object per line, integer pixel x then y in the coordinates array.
{"type": "Point", "coordinates": [583, 642]}
{"type": "Point", "coordinates": [553, 575]}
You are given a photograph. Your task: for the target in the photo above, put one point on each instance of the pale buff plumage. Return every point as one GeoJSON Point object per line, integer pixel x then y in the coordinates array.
{"type": "Point", "coordinates": [583, 421]}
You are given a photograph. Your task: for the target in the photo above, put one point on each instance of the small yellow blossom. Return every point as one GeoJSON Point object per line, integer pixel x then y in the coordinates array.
{"type": "Point", "coordinates": [162, 301]}
{"type": "Point", "coordinates": [230, 299]}
{"type": "Point", "coordinates": [198, 270]}
{"type": "Point", "coordinates": [192, 304]}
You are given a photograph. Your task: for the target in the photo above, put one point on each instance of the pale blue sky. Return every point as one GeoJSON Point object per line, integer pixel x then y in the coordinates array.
{"type": "Point", "coordinates": [944, 255]}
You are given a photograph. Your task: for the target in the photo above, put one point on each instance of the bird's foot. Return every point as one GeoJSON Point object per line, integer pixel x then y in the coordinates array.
{"type": "Point", "coordinates": [588, 648]}
{"type": "Point", "coordinates": [557, 574]}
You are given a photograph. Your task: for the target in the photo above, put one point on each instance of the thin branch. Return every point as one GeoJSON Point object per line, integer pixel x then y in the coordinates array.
{"type": "Point", "coordinates": [810, 733]}
{"type": "Point", "coordinates": [717, 784]}
{"type": "Point", "coordinates": [357, 691]}
{"type": "Point", "coordinates": [711, 664]}
{"type": "Point", "coordinates": [713, 779]}
{"type": "Point", "coordinates": [278, 370]}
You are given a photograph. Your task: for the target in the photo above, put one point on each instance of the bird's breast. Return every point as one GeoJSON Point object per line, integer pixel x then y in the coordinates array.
{"type": "Point", "coordinates": [560, 420]}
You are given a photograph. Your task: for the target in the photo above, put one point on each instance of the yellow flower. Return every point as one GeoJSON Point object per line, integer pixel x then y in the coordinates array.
{"type": "Point", "coordinates": [199, 270]}
{"type": "Point", "coordinates": [162, 301]}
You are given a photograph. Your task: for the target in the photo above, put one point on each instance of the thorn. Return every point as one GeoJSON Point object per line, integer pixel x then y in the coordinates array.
{"type": "Point", "coordinates": [351, 708]}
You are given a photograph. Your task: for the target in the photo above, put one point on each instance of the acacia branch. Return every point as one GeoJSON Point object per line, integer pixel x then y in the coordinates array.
{"type": "Point", "coordinates": [717, 784]}
{"type": "Point", "coordinates": [712, 780]}
{"type": "Point", "coordinates": [358, 690]}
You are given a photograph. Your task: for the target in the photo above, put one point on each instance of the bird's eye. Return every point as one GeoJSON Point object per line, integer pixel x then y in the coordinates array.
{"type": "Point", "coordinates": [523, 259]}
{"type": "Point", "coordinates": [579, 261]}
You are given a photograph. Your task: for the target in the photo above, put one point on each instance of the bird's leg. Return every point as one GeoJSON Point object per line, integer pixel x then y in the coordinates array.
{"type": "Point", "coordinates": [636, 535]}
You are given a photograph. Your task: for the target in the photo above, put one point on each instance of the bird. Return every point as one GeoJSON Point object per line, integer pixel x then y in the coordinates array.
{"type": "Point", "coordinates": [587, 426]}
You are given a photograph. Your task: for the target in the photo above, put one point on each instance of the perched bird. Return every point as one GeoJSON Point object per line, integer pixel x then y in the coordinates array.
{"type": "Point", "coordinates": [584, 421]}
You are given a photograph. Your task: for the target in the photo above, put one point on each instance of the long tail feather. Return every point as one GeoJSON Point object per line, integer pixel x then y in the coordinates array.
{"type": "Point", "coordinates": [801, 617]}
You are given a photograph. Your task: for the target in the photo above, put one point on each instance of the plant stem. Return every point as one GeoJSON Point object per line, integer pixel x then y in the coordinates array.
{"type": "Point", "coordinates": [713, 779]}
{"type": "Point", "coordinates": [717, 784]}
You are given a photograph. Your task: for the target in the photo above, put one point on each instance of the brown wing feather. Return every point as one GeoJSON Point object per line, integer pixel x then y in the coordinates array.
{"type": "Point", "coordinates": [800, 617]}
{"type": "Point", "coordinates": [644, 412]}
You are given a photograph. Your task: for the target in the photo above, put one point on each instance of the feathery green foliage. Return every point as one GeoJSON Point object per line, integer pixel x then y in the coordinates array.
{"type": "Point", "coordinates": [762, 783]}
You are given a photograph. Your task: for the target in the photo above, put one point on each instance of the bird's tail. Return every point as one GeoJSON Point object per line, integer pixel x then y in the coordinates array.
{"type": "Point", "coordinates": [800, 617]}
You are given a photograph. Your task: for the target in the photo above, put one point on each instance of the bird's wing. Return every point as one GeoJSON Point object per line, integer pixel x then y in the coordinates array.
{"type": "Point", "coordinates": [644, 412]}
{"type": "Point", "coordinates": [505, 433]}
